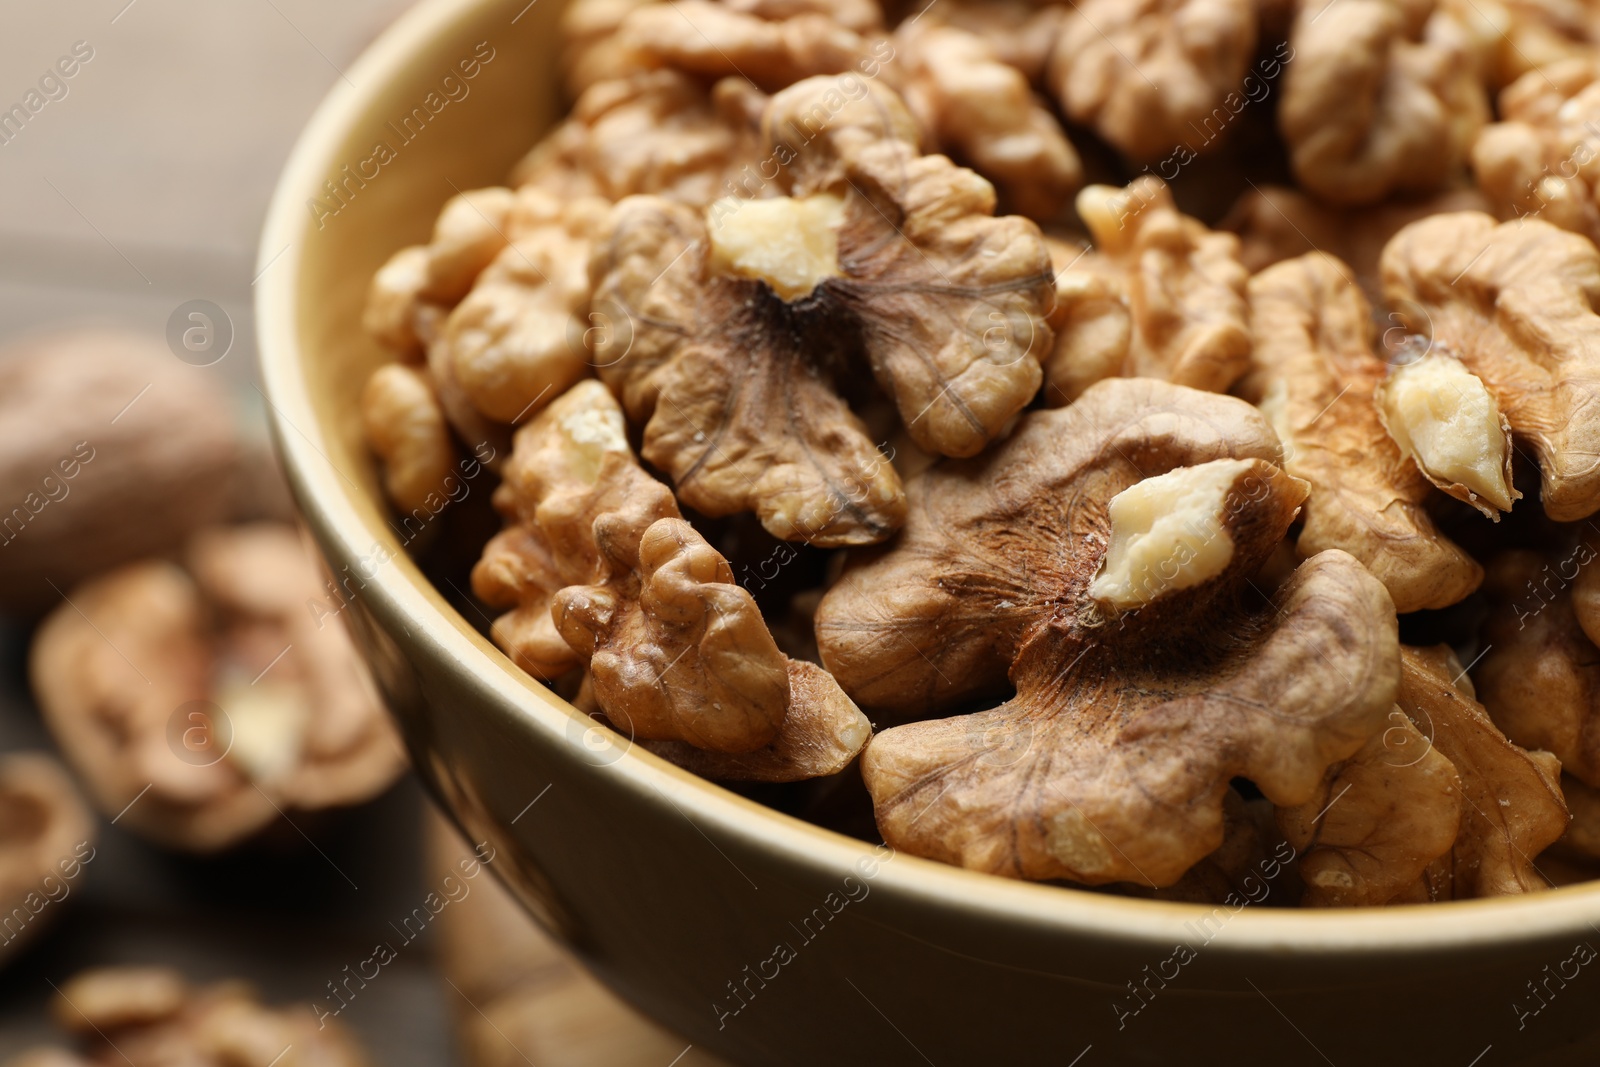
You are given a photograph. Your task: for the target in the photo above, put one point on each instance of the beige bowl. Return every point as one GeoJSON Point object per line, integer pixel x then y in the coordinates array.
{"type": "Point", "coordinates": [756, 935]}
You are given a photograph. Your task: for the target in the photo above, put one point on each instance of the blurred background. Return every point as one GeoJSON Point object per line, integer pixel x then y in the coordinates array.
{"type": "Point", "coordinates": [139, 190]}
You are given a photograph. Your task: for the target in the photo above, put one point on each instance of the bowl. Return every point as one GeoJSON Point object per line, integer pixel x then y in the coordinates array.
{"type": "Point", "coordinates": [755, 935]}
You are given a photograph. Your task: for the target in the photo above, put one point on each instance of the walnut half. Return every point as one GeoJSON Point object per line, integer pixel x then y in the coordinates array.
{"type": "Point", "coordinates": [1101, 559]}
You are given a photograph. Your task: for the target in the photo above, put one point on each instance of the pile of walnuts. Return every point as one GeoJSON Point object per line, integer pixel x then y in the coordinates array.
{"type": "Point", "coordinates": [1171, 425]}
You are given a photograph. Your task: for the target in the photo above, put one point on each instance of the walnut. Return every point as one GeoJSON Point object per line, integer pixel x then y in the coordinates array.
{"type": "Point", "coordinates": [1021, 34]}
{"type": "Point", "coordinates": [46, 835]}
{"type": "Point", "coordinates": [1439, 806]}
{"type": "Point", "coordinates": [772, 44]}
{"type": "Point", "coordinates": [657, 132]}
{"type": "Point", "coordinates": [983, 112]}
{"type": "Point", "coordinates": [1539, 675]}
{"type": "Point", "coordinates": [110, 449]}
{"type": "Point", "coordinates": [590, 52]}
{"type": "Point", "coordinates": [151, 1015]}
{"type": "Point", "coordinates": [406, 427]}
{"type": "Point", "coordinates": [424, 280]}
{"type": "Point", "coordinates": [1275, 223]}
{"type": "Point", "coordinates": [1315, 375]}
{"type": "Point", "coordinates": [1146, 74]}
{"type": "Point", "coordinates": [742, 322]}
{"type": "Point", "coordinates": [1092, 323]}
{"type": "Point", "coordinates": [1101, 559]}
{"type": "Point", "coordinates": [1543, 159]}
{"type": "Point", "coordinates": [1382, 96]}
{"type": "Point", "coordinates": [1183, 285]}
{"type": "Point", "coordinates": [199, 704]}
{"type": "Point", "coordinates": [1514, 37]}
{"type": "Point", "coordinates": [600, 571]}
{"type": "Point", "coordinates": [1513, 301]}
{"type": "Point", "coordinates": [1581, 842]}
{"type": "Point", "coordinates": [515, 342]}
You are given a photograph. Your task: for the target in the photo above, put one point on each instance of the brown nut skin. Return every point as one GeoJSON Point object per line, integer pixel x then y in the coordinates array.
{"type": "Point", "coordinates": [1314, 371]}
{"type": "Point", "coordinates": [1092, 322]}
{"type": "Point", "coordinates": [1515, 303]}
{"type": "Point", "coordinates": [406, 427]}
{"type": "Point", "coordinates": [110, 449]}
{"type": "Point", "coordinates": [1112, 761]}
{"type": "Point", "coordinates": [1381, 97]}
{"type": "Point", "coordinates": [1381, 818]}
{"type": "Point", "coordinates": [128, 675]}
{"type": "Point", "coordinates": [1021, 34]}
{"type": "Point", "coordinates": [655, 132]}
{"type": "Point", "coordinates": [983, 112]}
{"type": "Point", "coordinates": [150, 1015]}
{"type": "Point", "coordinates": [1275, 223]}
{"type": "Point", "coordinates": [601, 572]}
{"type": "Point", "coordinates": [944, 302]}
{"type": "Point", "coordinates": [1543, 159]}
{"type": "Point", "coordinates": [1540, 674]}
{"type": "Point", "coordinates": [1183, 285]}
{"type": "Point", "coordinates": [1146, 74]}
{"type": "Point", "coordinates": [46, 835]}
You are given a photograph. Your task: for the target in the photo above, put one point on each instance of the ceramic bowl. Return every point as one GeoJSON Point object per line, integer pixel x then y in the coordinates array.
{"type": "Point", "coordinates": [755, 935]}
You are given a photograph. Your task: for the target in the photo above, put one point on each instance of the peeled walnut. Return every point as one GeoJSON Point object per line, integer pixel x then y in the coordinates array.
{"type": "Point", "coordinates": [46, 837]}
{"type": "Point", "coordinates": [772, 44]}
{"type": "Point", "coordinates": [983, 112]}
{"type": "Point", "coordinates": [515, 342]}
{"type": "Point", "coordinates": [422, 281]}
{"type": "Point", "coordinates": [657, 132]}
{"type": "Point", "coordinates": [601, 572]}
{"type": "Point", "coordinates": [1514, 303]}
{"type": "Point", "coordinates": [1444, 420]}
{"type": "Point", "coordinates": [1100, 560]}
{"type": "Point", "coordinates": [197, 705]}
{"type": "Point", "coordinates": [1184, 289]}
{"type": "Point", "coordinates": [1581, 842]}
{"type": "Point", "coordinates": [590, 51]}
{"type": "Point", "coordinates": [1275, 223]}
{"type": "Point", "coordinates": [1540, 672]}
{"type": "Point", "coordinates": [1147, 74]}
{"type": "Point", "coordinates": [95, 426]}
{"type": "Point", "coordinates": [1092, 322]}
{"type": "Point", "coordinates": [1381, 97]}
{"type": "Point", "coordinates": [1543, 159]}
{"type": "Point", "coordinates": [406, 427]}
{"type": "Point", "coordinates": [150, 1015]}
{"type": "Point", "coordinates": [1317, 379]}
{"type": "Point", "coordinates": [1439, 806]}
{"type": "Point", "coordinates": [742, 323]}
{"type": "Point", "coordinates": [1021, 34]}
{"type": "Point", "coordinates": [1514, 37]}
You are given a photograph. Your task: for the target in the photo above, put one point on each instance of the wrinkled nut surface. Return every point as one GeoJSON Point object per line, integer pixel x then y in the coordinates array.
{"type": "Point", "coordinates": [982, 111]}
{"type": "Point", "coordinates": [515, 342]}
{"type": "Point", "coordinates": [1540, 674]}
{"type": "Point", "coordinates": [1382, 96]}
{"type": "Point", "coordinates": [1184, 286]}
{"type": "Point", "coordinates": [1092, 323]}
{"type": "Point", "coordinates": [1021, 34]}
{"type": "Point", "coordinates": [1148, 74]}
{"type": "Point", "coordinates": [1112, 760]}
{"type": "Point", "coordinates": [150, 1015]}
{"type": "Point", "coordinates": [1275, 223]}
{"type": "Point", "coordinates": [739, 388]}
{"type": "Point", "coordinates": [1543, 159]}
{"type": "Point", "coordinates": [601, 572]}
{"type": "Point", "coordinates": [406, 428]}
{"type": "Point", "coordinates": [1515, 303]}
{"type": "Point", "coordinates": [1439, 806]}
{"type": "Point", "coordinates": [657, 132]}
{"type": "Point", "coordinates": [1315, 376]}
{"type": "Point", "coordinates": [46, 833]}
{"type": "Point", "coordinates": [218, 688]}
{"type": "Point", "coordinates": [95, 426]}
{"type": "Point", "coordinates": [1444, 420]}
{"type": "Point", "coordinates": [774, 45]}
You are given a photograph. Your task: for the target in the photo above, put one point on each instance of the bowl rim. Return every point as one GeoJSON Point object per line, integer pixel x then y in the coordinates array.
{"type": "Point", "coordinates": [400, 594]}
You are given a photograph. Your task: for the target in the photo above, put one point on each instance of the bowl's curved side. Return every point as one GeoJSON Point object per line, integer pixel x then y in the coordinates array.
{"type": "Point", "coordinates": [756, 935]}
